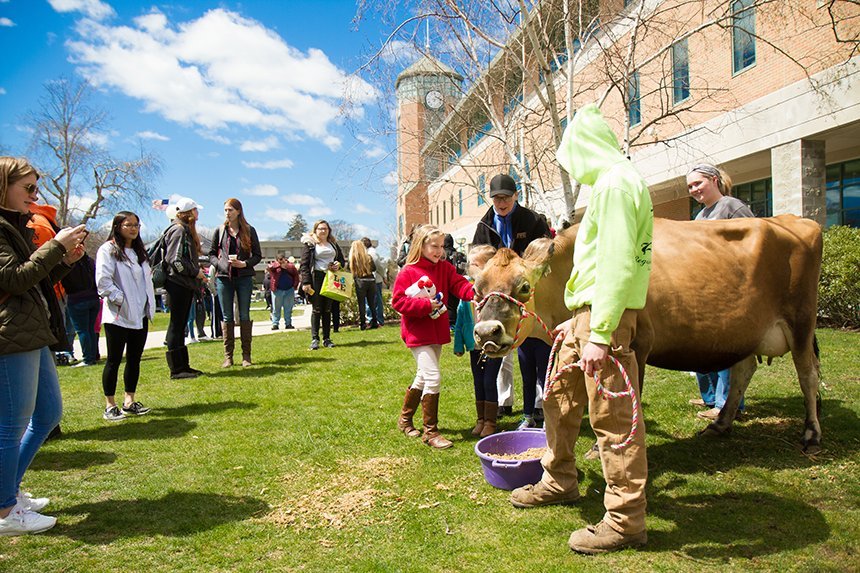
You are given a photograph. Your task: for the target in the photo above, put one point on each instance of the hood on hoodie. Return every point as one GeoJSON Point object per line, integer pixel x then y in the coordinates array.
{"type": "Point", "coordinates": [589, 146]}
{"type": "Point", "coordinates": [308, 239]}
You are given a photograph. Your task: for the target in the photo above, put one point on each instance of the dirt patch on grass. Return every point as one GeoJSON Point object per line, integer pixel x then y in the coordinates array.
{"type": "Point", "coordinates": [341, 496]}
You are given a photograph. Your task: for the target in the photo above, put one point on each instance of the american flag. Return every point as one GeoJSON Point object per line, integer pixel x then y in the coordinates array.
{"type": "Point", "coordinates": [160, 204]}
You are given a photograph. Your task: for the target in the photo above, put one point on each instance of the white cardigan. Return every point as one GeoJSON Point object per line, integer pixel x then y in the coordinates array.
{"type": "Point", "coordinates": [126, 287]}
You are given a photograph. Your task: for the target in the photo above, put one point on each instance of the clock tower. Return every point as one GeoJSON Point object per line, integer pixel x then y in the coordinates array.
{"type": "Point", "coordinates": [426, 92]}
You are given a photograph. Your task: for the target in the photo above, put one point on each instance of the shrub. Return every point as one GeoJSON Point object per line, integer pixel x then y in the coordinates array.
{"type": "Point", "coordinates": [839, 288]}
{"type": "Point", "coordinates": [349, 310]}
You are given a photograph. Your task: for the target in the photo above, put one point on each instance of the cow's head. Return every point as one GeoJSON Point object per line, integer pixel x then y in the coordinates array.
{"type": "Point", "coordinates": [501, 325]}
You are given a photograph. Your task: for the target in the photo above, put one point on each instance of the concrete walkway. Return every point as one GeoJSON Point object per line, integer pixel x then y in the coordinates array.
{"type": "Point", "coordinates": [155, 339]}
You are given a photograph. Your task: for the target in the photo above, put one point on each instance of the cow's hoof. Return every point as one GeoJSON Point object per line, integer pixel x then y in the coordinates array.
{"type": "Point", "coordinates": [712, 430]}
{"type": "Point", "coordinates": [811, 448]}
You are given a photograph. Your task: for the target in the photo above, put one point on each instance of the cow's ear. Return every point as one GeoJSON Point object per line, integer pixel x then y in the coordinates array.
{"type": "Point", "coordinates": [539, 254]}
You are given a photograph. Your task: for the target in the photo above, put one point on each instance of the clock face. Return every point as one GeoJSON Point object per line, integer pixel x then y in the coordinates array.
{"type": "Point", "coordinates": [434, 99]}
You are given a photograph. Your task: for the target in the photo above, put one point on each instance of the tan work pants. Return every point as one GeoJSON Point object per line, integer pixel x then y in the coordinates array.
{"type": "Point", "coordinates": [625, 470]}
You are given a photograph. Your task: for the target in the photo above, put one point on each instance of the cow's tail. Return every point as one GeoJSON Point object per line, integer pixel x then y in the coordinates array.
{"type": "Point", "coordinates": [817, 351]}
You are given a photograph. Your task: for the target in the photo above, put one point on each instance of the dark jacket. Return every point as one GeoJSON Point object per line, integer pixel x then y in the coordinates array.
{"type": "Point", "coordinates": [309, 257]}
{"type": "Point", "coordinates": [219, 254]}
{"type": "Point", "coordinates": [30, 316]}
{"type": "Point", "coordinates": [526, 226]}
{"type": "Point", "coordinates": [80, 283]}
{"type": "Point", "coordinates": [181, 257]}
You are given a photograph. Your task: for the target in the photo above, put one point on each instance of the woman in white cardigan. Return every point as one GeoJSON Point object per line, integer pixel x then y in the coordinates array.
{"type": "Point", "coordinates": [124, 281]}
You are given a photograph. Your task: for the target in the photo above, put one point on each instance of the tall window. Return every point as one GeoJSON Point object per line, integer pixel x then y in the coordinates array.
{"type": "Point", "coordinates": [444, 214]}
{"type": "Point", "coordinates": [843, 194]}
{"type": "Point", "coordinates": [437, 214]}
{"type": "Point", "coordinates": [452, 207]}
{"type": "Point", "coordinates": [743, 35]}
{"type": "Point", "coordinates": [634, 112]}
{"type": "Point", "coordinates": [482, 188]}
{"type": "Point", "coordinates": [680, 72]}
{"type": "Point", "coordinates": [460, 203]}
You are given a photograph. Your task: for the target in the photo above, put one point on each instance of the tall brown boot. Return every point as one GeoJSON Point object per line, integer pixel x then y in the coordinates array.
{"type": "Point", "coordinates": [245, 334]}
{"type": "Point", "coordinates": [229, 331]}
{"type": "Point", "coordinates": [410, 405]}
{"type": "Point", "coordinates": [479, 425]}
{"type": "Point", "coordinates": [432, 437]}
{"type": "Point", "coordinates": [491, 411]}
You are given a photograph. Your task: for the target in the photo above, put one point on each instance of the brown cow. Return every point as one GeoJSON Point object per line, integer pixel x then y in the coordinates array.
{"type": "Point", "coordinates": [722, 293]}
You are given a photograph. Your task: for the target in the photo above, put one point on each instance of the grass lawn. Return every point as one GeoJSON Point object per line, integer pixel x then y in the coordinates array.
{"type": "Point", "coordinates": [257, 314]}
{"type": "Point", "coordinates": [295, 464]}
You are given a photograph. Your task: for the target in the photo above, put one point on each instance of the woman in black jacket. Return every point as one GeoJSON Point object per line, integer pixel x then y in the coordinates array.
{"type": "Point", "coordinates": [234, 252]}
{"type": "Point", "coordinates": [321, 253]}
{"type": "Point", "coordinates": [181, 252]}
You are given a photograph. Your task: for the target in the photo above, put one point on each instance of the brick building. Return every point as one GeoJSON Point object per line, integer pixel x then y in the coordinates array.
{"type": "Point", "coordinates": [769, 91]}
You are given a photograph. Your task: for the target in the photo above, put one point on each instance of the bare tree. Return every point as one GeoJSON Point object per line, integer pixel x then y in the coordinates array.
{"type": "Point", "coordinates": [65, 133]}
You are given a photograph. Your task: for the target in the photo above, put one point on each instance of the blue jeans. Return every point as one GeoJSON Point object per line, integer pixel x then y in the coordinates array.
{"type": "Point", "coordinates": [30, 406]}
{"type": "Point", "coordinates": [240, 288]}
{"type": "Point", "coordinates": [283, 299]}
{"type": "Point", "coordinates": [714, 387]}
{"type": "Point", "coordinates": [378, 308]}
{"type": "Point", "coordinates": [83, 315]}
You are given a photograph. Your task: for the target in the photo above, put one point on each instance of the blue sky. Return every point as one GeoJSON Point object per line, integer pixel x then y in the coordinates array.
{"type": "Point", "coordinates": [240, 99]}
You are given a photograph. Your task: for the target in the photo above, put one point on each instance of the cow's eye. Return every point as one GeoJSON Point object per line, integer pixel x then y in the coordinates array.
{"type": "Point", "coordinates": [525, 289]}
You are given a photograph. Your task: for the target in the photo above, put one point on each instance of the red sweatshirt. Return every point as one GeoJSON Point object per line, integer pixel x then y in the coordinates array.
{"type": "Point", "coordinates": [417, 328]}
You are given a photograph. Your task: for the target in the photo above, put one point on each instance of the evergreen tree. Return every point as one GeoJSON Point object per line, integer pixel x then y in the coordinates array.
{"type": "Point", "coordinates": [297, 228]}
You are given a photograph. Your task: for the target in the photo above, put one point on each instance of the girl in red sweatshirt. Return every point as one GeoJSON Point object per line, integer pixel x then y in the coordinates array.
{"type": "Point", "coordinates": [415, 295]}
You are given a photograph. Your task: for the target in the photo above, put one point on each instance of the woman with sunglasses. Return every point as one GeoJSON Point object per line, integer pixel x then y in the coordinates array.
{"type": "Point", "coordinates": [30, 323]}
{"type": "Point", "coordinates": [124, 281]}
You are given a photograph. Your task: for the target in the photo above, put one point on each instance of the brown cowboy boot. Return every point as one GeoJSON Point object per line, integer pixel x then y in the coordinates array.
{"type": "Point", "coordinates": [410, 405]}
{"type": "Point", "coordinates": [229, 331]}
{"type": "Point", "coordinates": [491, 410]}
{"type": "Point", "coordinates": [432, 437]}
{"type": "Point", "coordinates": [245, 333]}
{"type": "Point", "coordinates": [479, 425]}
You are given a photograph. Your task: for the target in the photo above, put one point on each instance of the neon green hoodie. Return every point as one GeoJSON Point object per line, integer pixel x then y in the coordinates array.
{"type": "Point", "coordinates": [612, 254]}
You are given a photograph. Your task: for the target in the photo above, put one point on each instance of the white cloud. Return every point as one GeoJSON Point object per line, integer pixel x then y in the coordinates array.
{"type": "Point", "coordinates": [212, 136]}
{"type": "Point", "coordinates": [374, 153]}
{"type": "Point", "coordinates": [187, 73]}
{"type": "Point", "coordinates": [282, 215]}
{"type": "Point", "coordinates": [264, 190]}
{"type": "Point", "coordinates": [319, 212]}
{"type": "Point", "coordinates": [365, 231]}
{"type": "Point", "coordinates": [6, 23]}
{"type": "Point", "coordinates": [299, 199]}
{"type": "Point", "coordinates": [80, 203]}
{"type": "Point", "coordinates": [93, 8]}
{"type": "Point", "coordinates": [390, 179]}
{"type": "Point", "coordinates": [275, 164]}
{"type": "Point", "coordinates": [97, 139]}
{"type": "Point", "coordinates": [152, 135]}
{"type": "Point", "coordinates": [359, 208]}
{"type": "Point", "coordinates": [266, 144]}
{"type": "Point", "coordinates": [3, 91]}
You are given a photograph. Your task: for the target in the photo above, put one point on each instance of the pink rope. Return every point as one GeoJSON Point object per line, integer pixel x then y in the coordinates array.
{"type": "Point", "coordinates": [601, 389]}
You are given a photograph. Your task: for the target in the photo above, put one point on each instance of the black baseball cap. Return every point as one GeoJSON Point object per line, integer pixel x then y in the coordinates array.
{"type": "Point", "coordinates": [502, 185]}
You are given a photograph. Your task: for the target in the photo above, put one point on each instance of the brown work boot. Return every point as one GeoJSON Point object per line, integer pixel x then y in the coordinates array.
{"type": "Point", "coordinates": [410, 405]}
{"type": "Point", "coordinates": [601, 538]}
{"type": "Point", "coordinates": [491, 410]}
{"type": "Point", "coordinates": [432, 437]}
{"type": "Point", "coordinates": [539, 494]}
{"type": "Point", "coordinates": [246, 333]}
{"type": "Point", "coordinates": [479, 425]}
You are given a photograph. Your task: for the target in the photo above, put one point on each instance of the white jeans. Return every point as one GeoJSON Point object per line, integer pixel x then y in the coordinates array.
{"type": "Point", "coordinates": [505, 380]}
{"type": "Point", "coordinates": [428, 377]}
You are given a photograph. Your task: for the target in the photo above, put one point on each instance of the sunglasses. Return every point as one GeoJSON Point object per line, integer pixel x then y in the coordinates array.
{"type": "Point", "coordinates": [31, 188]}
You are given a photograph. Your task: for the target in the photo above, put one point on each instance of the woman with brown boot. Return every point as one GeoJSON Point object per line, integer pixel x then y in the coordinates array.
{"type": "Point", "coordinates": [234, 252]}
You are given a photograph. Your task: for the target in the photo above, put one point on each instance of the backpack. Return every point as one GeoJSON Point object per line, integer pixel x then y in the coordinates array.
{"type": "Point", "coordinates": [157, 263]}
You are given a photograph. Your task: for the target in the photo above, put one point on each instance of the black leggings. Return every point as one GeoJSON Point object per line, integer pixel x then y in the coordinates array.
{"type": "Point", "coordinates": [118, 338]}
{"type": "Point", "coordinates": [180, 309]}
{"type": "Point", "coordinates": [484, 374]}
{"type": "Point", "coordinates": [321, 305]}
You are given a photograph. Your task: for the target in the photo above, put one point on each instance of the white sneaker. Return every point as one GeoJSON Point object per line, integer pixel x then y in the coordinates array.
{"type": "Point", "coordinates": [27, 502]}
{"type": "Point", "coordinates": [21, 522]}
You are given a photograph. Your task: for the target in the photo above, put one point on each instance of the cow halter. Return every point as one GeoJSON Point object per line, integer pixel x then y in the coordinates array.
{"type": "Point", "coordinates": [552, 378]}
{"type": "Point", "coordinates": [524, 313]}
